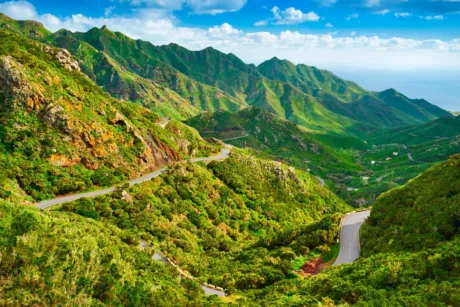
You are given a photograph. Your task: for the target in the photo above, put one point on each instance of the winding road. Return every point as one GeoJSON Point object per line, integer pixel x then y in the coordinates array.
{"type": "Point", "coordinates": [349, 237]}
{"type": "Point", "coordinates": [156, 256]}
{"type": "Point", "coordinates": [65, 199]}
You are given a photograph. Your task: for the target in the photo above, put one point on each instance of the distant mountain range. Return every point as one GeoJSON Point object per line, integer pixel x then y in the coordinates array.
{"type": "Point", "coordinates": [181, 83]}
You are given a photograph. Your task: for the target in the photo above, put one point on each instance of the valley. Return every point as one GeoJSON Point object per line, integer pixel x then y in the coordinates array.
{"type": "Point", "coordinates": [140, 175]}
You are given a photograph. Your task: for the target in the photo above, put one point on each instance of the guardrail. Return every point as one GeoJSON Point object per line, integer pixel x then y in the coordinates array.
{"type": "Point", "coordinates": [181, 272]}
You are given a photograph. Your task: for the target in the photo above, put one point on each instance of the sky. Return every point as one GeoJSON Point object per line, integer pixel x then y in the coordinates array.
{"type": "Point", "coordinates": [358, 38]}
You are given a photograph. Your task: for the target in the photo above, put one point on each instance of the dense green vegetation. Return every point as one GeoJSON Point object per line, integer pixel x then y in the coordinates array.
{"type": "Point", "coordinates": [277, 138]}
{"type": "Point", "coordinates": [52, 258]}
{"type": "Point", "coordinates": [180, 83]}
{"type": "Point", "coordinates": [442, 128]}
{"type": "Point", "coordinates": [410, 249]}
{"type": "Point", "coordinates": [236, 223]}
{"type": "Point", "coordinates": [422, 214]}
{"type": "Point", "coordinates": [60, 133]}
{"type": "Point", "coordinates": [246, 223]}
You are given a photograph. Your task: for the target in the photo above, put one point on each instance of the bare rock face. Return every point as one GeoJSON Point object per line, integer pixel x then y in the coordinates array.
{"type": "Point", "coordinates": [55, 116]}
{"type": "Point", "coordinates": [126, 197]}
{"type": "Point", "coordinates": [13, 79]}
{"type": "Point", "coordinates": [64, 57]}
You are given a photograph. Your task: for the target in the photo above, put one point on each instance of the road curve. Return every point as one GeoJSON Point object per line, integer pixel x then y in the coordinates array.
{"type": "Point", "coordinates": [349, 237]}
{"type": "Point", "coordinates": [207, 290]}
{"type": "Point", "coordinates": [65, 199]}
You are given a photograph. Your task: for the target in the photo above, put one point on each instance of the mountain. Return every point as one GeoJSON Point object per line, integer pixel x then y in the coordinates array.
{"type": "Point", "coordinates": [263, 131]}
{"type": "Point", "coordinates": [437, 130]}
{"type": "Point", "coordinates": [138, 64]}
{"type": "Point", "coordinates": [181, 83]}
{"type": "Point", "coordinates": [60, 133]}
{"type": "Point", "coordinates": [29, 28]}
{"type": "Point", "coordinates": [310, 79]}
{"type": "Point", "coordinates": [95, 118]}
{"type": "Point", "coordinates": [228, 223]}
{"type": "Point", "coordinates": [387, 108]}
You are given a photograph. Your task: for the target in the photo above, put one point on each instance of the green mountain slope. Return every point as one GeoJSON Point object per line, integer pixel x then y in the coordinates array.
{"type": "Point", "coordinates": [278, 138]}
{"type": "Point", "coordinates": [64, 259]}
{"type": "Point", "coordinates": [27, 28]}
{"type": "Point", "coordinates": [445, 127]}
{"type": "Point", "coordinates": [422, 214]}
{"type": "Point", "coordinates": [60, 133]}
{"type": "Point", "coordinates": [410, 252]}
{"type": "Point", "coordinates": [145, 60]}
{"type": "Point", "coordinates": [388, 108]}
{"type": "Point", "coordinates": [231, 223]}
{"type": "Point", "coordinates": [122, 84]}
{"type": "Point", "coordinates": [211, 80]}
{"type": "Point", "coordinates": [309, 79]}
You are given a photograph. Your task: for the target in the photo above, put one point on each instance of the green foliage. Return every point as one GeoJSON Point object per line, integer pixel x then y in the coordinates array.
{"type": "Point", "coordinates": [422, 214]}
{"type": "Point", "coordinates": [277, 138]}
{"type": "Point", "coordinates": [64, 259]}
{"type": "Point", "coordinates": [235, 223]}
{"type": "Point", "coordinates": [424, 278]}
{"type": "Point", "coordinates": [60, 133]}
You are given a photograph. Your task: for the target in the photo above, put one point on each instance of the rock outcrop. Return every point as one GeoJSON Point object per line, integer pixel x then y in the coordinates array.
{"type": "Point", "coordinates": [64, 57]}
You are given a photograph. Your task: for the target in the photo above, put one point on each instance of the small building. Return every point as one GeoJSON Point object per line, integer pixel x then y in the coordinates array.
{"type": "Point", "coordinates": [373, 162]}
{"type": "Point", "coordinates": [388, 159]}
{"type": "Point", "coordinates": [396, 154]}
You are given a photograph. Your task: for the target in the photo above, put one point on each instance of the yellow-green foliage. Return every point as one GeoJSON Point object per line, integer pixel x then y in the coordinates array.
{"type": "Point", "coordinates": [236, 223]}
{"type": "Point", "coordinates": [62, 259]}
{"type": "Point", "coordinates": [422, 214]}
{"type": "Point", "coordinates": [60, 133]}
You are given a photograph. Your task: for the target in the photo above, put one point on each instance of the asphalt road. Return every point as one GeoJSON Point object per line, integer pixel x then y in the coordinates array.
{"type": "Point", "coordinates": [65, 199]}
{"type": "Point", "coordinates": [349, 237]}
{"type": "Point", "coordinates": [410, 156]}
{"type": "Point", "coordinates": [207, 290]}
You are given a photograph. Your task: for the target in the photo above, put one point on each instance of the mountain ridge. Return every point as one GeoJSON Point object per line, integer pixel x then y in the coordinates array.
{"type": "Point", "coordinates": [209, 80]}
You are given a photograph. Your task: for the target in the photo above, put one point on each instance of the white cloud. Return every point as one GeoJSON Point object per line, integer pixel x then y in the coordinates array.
{"type": "Point", "coordinates": [353, 33]}
{"type": "Point", "coordinates": [196, 6]}
{"type": "Point", "coordinates": [352, 16]}
{"type": "Point", "coordinates": [382, 12]}
{"type": "Point", "coordinates": [402, 14]}
{"type": "Point", "coordinates": [437, 17]}
{"type": "Point", "coordinates": [289, 16]}
{"type": "Point", "coordinates": [21, 10]}
{"type": "Point", "coordinates": [223, 31]}
{"type": "Point", "coordinates": [254, 47]}
{"type": "Point", "coordinates": [108, 11]}
{"type": "Point", "coordinates": [329, 25]}
{"type": "Point", "coordinates": [261, 23]}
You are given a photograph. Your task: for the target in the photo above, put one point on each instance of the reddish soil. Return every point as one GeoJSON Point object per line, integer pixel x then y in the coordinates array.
{"type": "Point", "coordinates": [312, 267]}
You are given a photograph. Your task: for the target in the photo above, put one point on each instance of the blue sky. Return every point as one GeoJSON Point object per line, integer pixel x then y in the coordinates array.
{"type": "Point", "coordinates": [339, 35]}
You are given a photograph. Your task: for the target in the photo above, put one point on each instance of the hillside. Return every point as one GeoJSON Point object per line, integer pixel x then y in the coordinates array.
{"type": "Point", "coordinates": [439, 129]}
{"type": "Point", "coordinates": [137, 63]}
{"type": "Point", "coordinates": [60, 133]}
{"type": "Point", "coordinates": [410, 252]}
{"type": "Point", "coordinates": [422, 214]}
{"type": "Point", "coordinates": [224, 221]}
{"type": "Point", "coordinates": [65, 259]}
{"type": "Point", "coordinates": [385, 109]}
{"type": "Point", "coordinates": [280, 139]}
